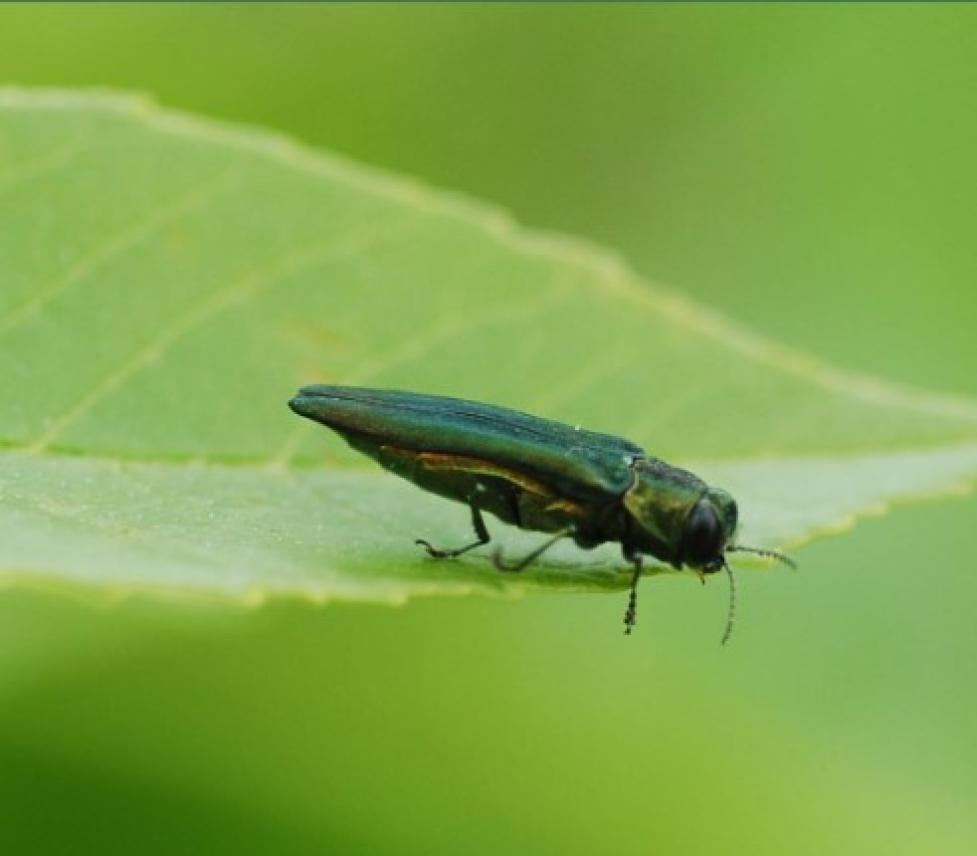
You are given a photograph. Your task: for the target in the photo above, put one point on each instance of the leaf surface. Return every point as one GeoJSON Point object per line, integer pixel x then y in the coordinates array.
{"type": "Point", "coordinates": [168, 282]}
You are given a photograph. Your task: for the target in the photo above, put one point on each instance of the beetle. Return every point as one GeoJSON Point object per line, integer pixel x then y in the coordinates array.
{"type": "Point", "coordinates": [539, 475]}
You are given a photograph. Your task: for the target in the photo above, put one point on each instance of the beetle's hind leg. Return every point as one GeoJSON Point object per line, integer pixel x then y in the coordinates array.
{"type": "Point", "coordinates": [481, 532]}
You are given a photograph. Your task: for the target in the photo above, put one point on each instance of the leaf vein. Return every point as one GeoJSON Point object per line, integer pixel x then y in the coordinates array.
{"type": "Point", "coordinates": [33, 168]}
{"type": "Point", "coordinates": [288, 264]}
{"type": "Point", "coordinates": [118, 244]}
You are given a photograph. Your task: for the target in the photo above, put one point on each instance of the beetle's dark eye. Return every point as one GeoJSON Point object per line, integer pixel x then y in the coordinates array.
{"type": "Point", "coordinates": [703, 535]}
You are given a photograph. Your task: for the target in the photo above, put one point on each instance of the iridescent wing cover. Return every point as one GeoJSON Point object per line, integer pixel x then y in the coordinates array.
{"type": "Point", "coordinates": [576, 463]}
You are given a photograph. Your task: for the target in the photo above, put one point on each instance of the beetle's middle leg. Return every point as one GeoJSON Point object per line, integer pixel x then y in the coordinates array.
{"type": "Point", "coordinates": [525, 562]}
{"type": "Point", "coordinates": [481, 532]}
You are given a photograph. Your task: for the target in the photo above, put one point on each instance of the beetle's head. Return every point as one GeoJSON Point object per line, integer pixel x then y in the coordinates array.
{"type": "Point", "coordinates": [686, 522]}
{"type": "Point", "coordinates": [708, 530]}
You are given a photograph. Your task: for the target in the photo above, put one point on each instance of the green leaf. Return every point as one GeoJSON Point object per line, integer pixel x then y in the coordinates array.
{"type": "Point", "coordinates": [167, 283]}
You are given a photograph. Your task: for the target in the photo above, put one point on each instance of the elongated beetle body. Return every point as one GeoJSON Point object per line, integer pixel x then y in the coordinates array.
{"type": "Point", "coordinates": [536, 474]}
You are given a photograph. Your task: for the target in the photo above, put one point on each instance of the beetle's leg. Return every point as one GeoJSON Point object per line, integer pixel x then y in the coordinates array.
{"type": "Point", "coordinates": [631, 613]}
{"type": "Point", "coordinates": [524, 563]}
{"type": "Point", "coordinates": [481, 532]}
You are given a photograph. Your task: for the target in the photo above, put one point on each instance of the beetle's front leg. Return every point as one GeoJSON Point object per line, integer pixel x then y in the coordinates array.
{"type": "Point", "coordinates": [481, 532]}
{"type": "Point", "coordinates": [631, 613]}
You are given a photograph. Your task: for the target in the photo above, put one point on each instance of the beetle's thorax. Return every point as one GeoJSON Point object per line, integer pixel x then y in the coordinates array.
{"type": "Point", "coordinates": [659, 501]}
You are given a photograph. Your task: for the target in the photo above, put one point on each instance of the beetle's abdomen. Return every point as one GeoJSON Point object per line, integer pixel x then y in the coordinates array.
{"type": "Point", "coordinates": [511, 496]}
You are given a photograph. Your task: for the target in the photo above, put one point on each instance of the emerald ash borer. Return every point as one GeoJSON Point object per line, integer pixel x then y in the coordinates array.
{"type": "Point", "coordinates": [538, 475]}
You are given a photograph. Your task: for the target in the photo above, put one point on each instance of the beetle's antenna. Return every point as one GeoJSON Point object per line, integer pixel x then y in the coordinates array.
{"type": "Point", "coordinates": [731, 612]}
{"type": "Point", "coordinates": [760, 551]}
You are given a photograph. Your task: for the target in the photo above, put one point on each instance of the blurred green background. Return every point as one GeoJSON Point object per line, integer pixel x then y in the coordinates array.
{"type": "Point", "coordinates": [807, 170]}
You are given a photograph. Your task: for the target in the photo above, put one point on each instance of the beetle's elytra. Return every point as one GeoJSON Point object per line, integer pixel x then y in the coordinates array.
{"type": "Point", "coordinates": [536, 474]}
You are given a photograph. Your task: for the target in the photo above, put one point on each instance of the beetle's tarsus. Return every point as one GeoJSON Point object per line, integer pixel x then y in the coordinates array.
{"type": "Point", "coordinates": [499, 565]}
{"type": "Point", "coordinates": [481, 532]}
{"type": "Point", "coordinates": [516, 567]}
{"type": "Point", "coordinates": [631, 613]}
{"type": "Point", "coordinates": [524, 563]}
{"type": "Point", "coordinates": [435, 553]}
{"type": "Point", "coordinates": [731, 611]}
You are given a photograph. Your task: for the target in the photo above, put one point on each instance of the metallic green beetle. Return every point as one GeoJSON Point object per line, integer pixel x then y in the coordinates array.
{"type": "Point", "coordinates": [539, 475]}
